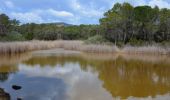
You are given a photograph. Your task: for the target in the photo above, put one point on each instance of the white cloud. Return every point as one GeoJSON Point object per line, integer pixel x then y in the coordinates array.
{"type": "Point", "coordinates": [59, 13]}
{"type": "Point", "coordinates": [75, 5]}
{"type": "Point", "coordinates": [159, 3]}
{"type": "Point", "coordinates": [38, 15]}
{"type": "Point", "coordinates": [140, 2]}
{"type": "Point", "coordinates": [88, 11]}
{"type": "Point", "coordinates": [9, 4]}
{"type": "Point", "coordinates": [80, 82]}
{"type": "Point", "coordinates": [27, 17]}
{"type": "Point", "coordinates": [133, 2]}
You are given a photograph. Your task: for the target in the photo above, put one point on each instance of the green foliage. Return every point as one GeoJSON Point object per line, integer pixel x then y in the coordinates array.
{"type": "Point", "coordinates": [4, 24]}
{"type": "Point", "coordinates": [135, 42]}
{"type": "Point", "coordinates": [72, 33]}
{"type": "Point", "coordinates": [28, 36]}
{"type": "Point", "coordinates": [143, 13]}
{"type": "Point", "coordinates": [4, 19]}
{"type": "Point", "coordinates": [165, 43]}
{"type": "Point", "coordinates": [123, 24]}
{"type": "Point", "coordinates": [120, 44]}
{"type": "Point", "coordinates": [15, 36]}
{"type": "Point", "coordinates": [47, 36]}
{"type": "Point", "coordinates": [118, 23]}
{"type": "Point", "coordinates": [97, 39]}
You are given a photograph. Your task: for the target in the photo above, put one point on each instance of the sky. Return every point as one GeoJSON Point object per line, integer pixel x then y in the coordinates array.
{"type": "Point", "coordinates": [68, 11]}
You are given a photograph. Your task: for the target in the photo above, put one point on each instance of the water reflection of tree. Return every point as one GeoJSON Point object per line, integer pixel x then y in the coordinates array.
{"type": "Point", "coordinates": [9, 64]}
{"type": "Point", "coordinates": [120, 77]}
{"type": "Point", "coordinates": [14, 58]}
{"type": "Point", "coordinates": [4, 76]}
{"type": "Point", "coordinates": [6, 70]}
{"type": "Point", "coordinates": [44, 61]}
{"type": "Point", "coordinates": [135, 78]}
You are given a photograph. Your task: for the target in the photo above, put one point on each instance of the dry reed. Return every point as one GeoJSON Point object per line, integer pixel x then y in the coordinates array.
{"type": "Point", "coordinates": [146, 50]}
{"type": "Point", "coordinates": [20, 47]}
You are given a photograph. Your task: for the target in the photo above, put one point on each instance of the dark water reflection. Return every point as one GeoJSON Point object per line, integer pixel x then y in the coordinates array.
{"type": "Point", "coordinates": [86, 77]}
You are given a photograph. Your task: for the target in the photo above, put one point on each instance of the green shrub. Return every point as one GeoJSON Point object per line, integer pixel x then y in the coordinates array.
{"type": "Point", "coordinates": [2, 38]}
{"type": "Point", "coordinates": [28, 36]}
{"type": "Point", "coordinates": [120, 44]}
{"type": "Point", "coordinates": [47, 36]}
{"type": "Point", "coordinates": [165, 43]}
{"type": "Point", "coordinates": [14, 36]}
{"type": "Point", "coordinates": [97, 39]}
{"type": "Point", "coordinates": [135, 42]}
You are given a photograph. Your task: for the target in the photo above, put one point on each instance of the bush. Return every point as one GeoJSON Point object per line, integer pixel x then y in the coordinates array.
{"type": "Point", "coordinates": [47, 36]}
{"type": "Point", "coordinates": [135, 42]}
{"type": "Point", "coordinates": [165, 43]}
{"type": "Point", "coordinates": [28, 36]}
{"type": "Point", "coordinates": [2, 38]}
{"type": "Point", "coordinates": [120, 44]}
{"type": "Point", "coordinates": [97, 39]}
{"type": "Point", "coordinates": [14, 36]}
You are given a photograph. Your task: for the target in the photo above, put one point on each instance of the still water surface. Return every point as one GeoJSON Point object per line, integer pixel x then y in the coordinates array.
{"type": "Point", "coordinates": [66, 75]}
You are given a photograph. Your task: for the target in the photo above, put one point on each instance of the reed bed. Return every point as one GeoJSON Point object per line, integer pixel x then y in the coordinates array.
{"type": "Point", "coordinates": [154, 50]}
{"type": "Point", "coordinates": [20, 47]}
{"type": "Point", "coordinates": [146, 58]}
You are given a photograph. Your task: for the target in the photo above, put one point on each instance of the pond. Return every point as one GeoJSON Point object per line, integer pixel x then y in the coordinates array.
{"type": "Point", "coordinates": [69, 75]}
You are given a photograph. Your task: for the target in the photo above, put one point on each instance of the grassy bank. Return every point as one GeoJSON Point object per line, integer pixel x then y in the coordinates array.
{"type": "Point", "coordinates": [20, 47]}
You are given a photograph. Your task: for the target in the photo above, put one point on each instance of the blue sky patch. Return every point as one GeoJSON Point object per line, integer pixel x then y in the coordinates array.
{"type": "Point", "coordinates": [69, 11]}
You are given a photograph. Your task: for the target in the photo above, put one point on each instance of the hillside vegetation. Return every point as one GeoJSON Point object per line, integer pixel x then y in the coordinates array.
{"type": "Point", "coordinates": [123, 25]}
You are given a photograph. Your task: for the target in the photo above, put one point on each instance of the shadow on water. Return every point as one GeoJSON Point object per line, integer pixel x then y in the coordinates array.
{"type": "Point", "coordinates": [122, 76]}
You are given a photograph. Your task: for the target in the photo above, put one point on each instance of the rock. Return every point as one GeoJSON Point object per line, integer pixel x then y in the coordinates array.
{"type": "Point", "coordinates": [16, 87]}
{"type": "Point", "coordinates": [4, 95]}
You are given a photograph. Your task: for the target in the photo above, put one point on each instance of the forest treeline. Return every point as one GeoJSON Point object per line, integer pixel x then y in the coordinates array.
{"type": "Point", "coordinates": [123, 24]}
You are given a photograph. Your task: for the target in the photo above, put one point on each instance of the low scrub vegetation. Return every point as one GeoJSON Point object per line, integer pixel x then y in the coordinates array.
{"type": "Point", "coordinates": [97, 39]}
{"type": "Point", "coordinates": [123, 24]}
{"type": "Point", "coordinates": [143, 27]}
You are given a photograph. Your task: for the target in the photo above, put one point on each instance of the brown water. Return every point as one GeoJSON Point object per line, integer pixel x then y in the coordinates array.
{"type": "Point", "coordinates": [65, 75]}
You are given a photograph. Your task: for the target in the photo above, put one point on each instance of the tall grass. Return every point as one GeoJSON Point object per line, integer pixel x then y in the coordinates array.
{"type": "Point", "coordinates": [146, 50]}
{"type": "Point", "coordinates": [20, 47]}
